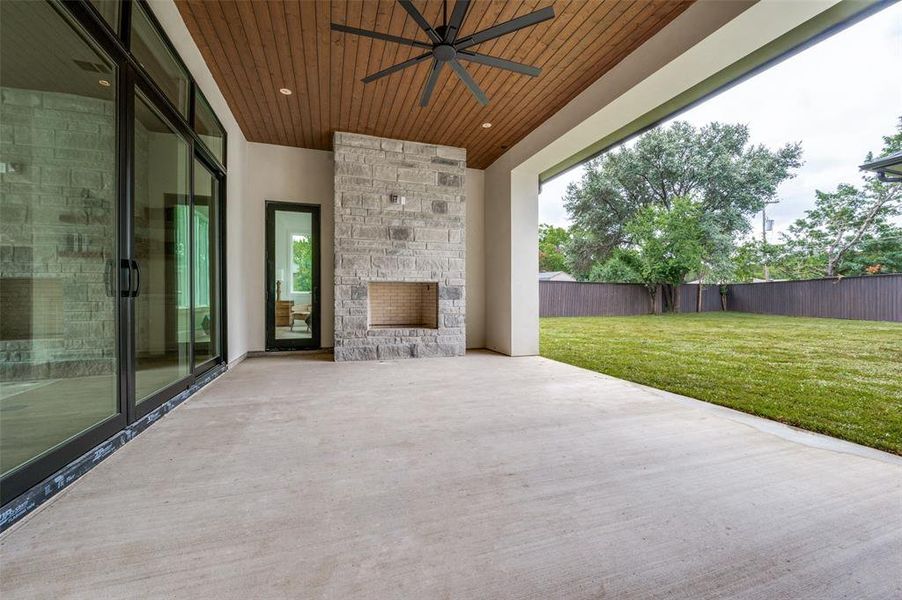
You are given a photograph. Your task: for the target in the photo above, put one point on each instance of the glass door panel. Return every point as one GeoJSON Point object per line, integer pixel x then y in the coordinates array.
{"type": "Point", "coordinates": [205, 270]}
{"type": "Point", "coordinates": [58, 234]}
{"type": "Point", "coordinates": [162, 253]}
{"type": "Point", "coordinates": [292, 276]}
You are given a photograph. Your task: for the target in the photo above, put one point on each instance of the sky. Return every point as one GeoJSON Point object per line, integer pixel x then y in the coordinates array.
{"type": "Point", "coordinates": [838, 98]}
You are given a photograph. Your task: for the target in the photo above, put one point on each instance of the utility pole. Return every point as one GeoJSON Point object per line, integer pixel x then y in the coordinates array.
{"type": "Point", "coordinates": [766, 225]}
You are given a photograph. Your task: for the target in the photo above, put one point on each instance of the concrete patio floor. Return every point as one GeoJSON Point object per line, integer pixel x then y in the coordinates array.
{"type": "Point", "coordinates": [473, 477]}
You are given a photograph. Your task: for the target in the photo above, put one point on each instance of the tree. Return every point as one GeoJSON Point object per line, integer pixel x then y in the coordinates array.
{"type": "Point", "coordinates": [621, 267]}
{"type": "Point", "coordinates": [715, 166]}
{"type": "Point", "coordinates": [669, 242]}
{"type": "Point", "coordinates": [749, 258]}
{"type": "Point", "coordinates": [551, 248]}
{"type": "Point", "coordinates": [302, 255]}
{"type": "Point", "coordinates": [847, 220]}
{"type": "Point", "coordinates": [878, 252]}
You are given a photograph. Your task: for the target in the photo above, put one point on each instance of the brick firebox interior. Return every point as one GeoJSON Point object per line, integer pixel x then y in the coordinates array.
{"type": "Point", "coordinates": [403, 304]}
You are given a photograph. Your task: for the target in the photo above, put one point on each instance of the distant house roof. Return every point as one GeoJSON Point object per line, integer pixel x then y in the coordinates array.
{"type": "Point", "coordinates": [556, 276]}
{"type": "Point", "coordinates": [888, 167]}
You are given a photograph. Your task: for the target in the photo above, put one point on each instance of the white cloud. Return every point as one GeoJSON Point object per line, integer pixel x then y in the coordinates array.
{"type": "Point", "coordinates": [838, 98]}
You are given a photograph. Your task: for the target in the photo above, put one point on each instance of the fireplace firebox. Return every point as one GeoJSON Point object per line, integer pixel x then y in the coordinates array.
{"type": "Point", "coordinates": [403, 304]}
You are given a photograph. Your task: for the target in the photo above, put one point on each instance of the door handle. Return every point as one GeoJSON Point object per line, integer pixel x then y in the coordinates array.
{"type": "Point", "coordinates": [125, 278]}
{"type": "Point", "coordinates": [137, 271]}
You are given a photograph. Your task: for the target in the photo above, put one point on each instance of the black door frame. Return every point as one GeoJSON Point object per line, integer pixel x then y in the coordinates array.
{"type": "Point", "coordinates": [139, 407]}
{"type": "Point", "coordinates": [198, 369]}
{"type": "Point", "coordinates": [272, 344]}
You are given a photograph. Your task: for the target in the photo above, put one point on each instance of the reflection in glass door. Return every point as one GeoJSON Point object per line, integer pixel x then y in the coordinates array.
{"type": "Point", "coordinates": [110, 282]}
{"type": "Point", "coordinates": [292, 269]}
{"type": "Point", "coordinates": [58, 242]}
{"type": "Point", "coordinates": [205, 268]}
{"type": "Point", "coordinates": [162, 252]}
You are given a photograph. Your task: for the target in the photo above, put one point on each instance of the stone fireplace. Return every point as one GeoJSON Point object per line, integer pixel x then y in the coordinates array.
{"type": "Point", "coordinates": [399, 249]}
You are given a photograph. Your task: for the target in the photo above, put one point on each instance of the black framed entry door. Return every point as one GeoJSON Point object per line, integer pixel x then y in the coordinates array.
{"type": "Point", "coordinates": [293, 314]}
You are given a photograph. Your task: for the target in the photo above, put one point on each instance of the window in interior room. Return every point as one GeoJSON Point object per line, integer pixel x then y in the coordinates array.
{"type": "Point", "coordinates": [301, 264]}
{"type": "Point", "coordinates": [202, 259]}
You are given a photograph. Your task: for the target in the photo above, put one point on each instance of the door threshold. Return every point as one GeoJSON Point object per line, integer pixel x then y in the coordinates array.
{"type": "Point", "coordinates": [287, 352]}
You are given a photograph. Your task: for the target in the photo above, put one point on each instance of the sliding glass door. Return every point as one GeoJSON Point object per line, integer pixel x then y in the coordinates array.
{"type": "Point", "coordinates": [161, 253]}
{"type": "Point", "coordinates": [59, 235]}
{"type": "Point", "coordinates": [111, 221]}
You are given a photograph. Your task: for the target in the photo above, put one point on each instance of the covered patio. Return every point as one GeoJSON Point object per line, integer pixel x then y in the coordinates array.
{"type": "Point", "coordinates": [480, 476]}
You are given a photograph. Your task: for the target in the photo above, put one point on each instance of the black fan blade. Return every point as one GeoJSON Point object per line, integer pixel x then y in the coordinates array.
{"type": "Point", "coordinates": [431, 81]}
{"type": "Point", "coordinates": [403, 65]}
{"type": "Point", "coordinates": [379, 36]}
{"type": "Point", "coordinates": [501, 63]}
{"type": "Point", "coordinates": [457, 19]}
{"type": "Point", "coordinates": [511, 26]}
{"type": "Point", "coordinates": [420, 20]}
{"type": "Point", "coordinates": [468, 81]}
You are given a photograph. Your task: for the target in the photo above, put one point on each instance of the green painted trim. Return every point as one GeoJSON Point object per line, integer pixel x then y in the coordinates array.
{"type": "Point", "coordinates": [827, 23]}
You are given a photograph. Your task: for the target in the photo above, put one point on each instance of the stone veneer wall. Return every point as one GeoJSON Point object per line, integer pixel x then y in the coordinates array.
{"type": "Point", "coordinates": [375, 240]}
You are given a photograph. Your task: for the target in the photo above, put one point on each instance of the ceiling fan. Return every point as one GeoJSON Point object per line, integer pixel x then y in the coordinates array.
{"type": "Point", "coordinates": [445, 46]}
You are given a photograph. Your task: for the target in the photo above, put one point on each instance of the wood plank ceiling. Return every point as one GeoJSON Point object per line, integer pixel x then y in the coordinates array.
{"type": "Point", "coordinates": [255, 48]}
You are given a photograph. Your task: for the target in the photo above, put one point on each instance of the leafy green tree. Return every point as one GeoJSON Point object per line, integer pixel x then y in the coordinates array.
{"type": "Point", "coordinates": [621, 267]}
{"type": "Point", "coordinates": [714, 165]}
{"type": "Point", "coordinates": [302, 255]}
{"type": "Point", "coordinates": [879, 252]}
{"type": "Point", "coordinates": [749, 258]}
{"type": "Point", "coordinates": [846, 221]}
{"type": "Point", "coordinates": [669, 243]}
{"type": "Point", "coordinates": [551, 248]}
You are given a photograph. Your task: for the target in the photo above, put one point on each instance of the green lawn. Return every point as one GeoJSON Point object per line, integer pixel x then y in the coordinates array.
{"type": "Point", "coordinates": [838, 377]}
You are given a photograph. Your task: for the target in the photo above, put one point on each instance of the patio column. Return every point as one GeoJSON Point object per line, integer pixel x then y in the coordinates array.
{"type": "Point", "coordinates": [512, 261]}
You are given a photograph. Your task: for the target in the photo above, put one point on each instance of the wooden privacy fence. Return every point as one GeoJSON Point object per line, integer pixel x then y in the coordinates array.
{"type": "Point", "coordinates": [687, 298]}
{"type": "Point", "coordinates": [575, 299]}
{"type": "Point", "coordinates": [873, 298]}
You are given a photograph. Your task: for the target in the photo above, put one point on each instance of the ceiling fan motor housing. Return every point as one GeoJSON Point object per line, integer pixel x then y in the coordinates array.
{"type": "Point", "coordinates": [444, 52]}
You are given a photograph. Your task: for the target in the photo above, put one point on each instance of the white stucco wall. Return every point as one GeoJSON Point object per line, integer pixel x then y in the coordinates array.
{"type": "Point", "coordinates": [475, 186]}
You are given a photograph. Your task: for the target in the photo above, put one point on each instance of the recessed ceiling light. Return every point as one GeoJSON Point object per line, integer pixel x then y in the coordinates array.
{"type": "Point", "coordinates": [486, 125]}
{"type": "Point", "coordinates": [285, 91]}
{"type": "Point", "coordinates": [104, 83]}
